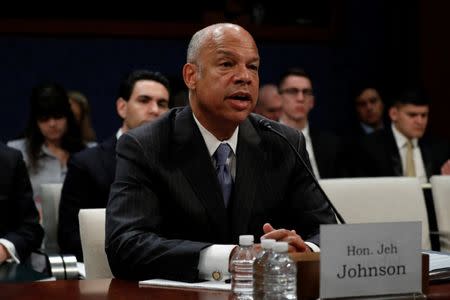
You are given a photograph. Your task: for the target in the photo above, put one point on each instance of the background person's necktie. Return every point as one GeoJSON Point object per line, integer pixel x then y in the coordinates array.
{"type": "Point", "coordinates": [223, 171]}
{"type": "Point", "coordinates": [410, 169]}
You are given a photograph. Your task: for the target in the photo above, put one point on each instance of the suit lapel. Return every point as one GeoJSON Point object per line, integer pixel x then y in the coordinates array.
{"type": "Point", "coordinates": [192, 156]}
{"type": "Point", "coordinates": [320, 151]}
{"type": "Point", "coordinates": [249, 170]}
{"type": "Point", "coordinates": [427, 157]}
{"type": "Point", "coordinates": [108, 158]}
{"type": "Point", "coordinates": [394, 154]}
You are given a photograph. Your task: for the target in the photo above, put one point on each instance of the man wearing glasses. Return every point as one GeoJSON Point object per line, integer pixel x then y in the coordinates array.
{"type": "Point", "coordinates": [295, 87]}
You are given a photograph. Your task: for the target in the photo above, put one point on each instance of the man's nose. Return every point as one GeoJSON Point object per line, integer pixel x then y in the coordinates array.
{"type": "Point", "coordinates": [243, 75]}
{"type": "Point", "coordinates": [152, 107]}
{"type": "Point", "coordinates": [300, 96]}
{"type": "Point", "coordinates": [420, 119]}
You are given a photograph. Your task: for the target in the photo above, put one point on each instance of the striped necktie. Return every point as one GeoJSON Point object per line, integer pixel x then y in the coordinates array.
{"type": "Point", "coordinates": [223, 171]}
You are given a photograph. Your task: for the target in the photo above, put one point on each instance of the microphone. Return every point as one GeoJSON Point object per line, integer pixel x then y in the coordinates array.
{"type": "Point", "coordinates": [266, 125]}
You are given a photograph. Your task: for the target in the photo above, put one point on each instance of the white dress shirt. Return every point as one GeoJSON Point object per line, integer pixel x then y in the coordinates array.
{"type": "Point", "coordinates": [119, 133]}
{"type": "Point", "coordinates": [49, 170]}
{"type": "Point", "coordinates": [310, 150]}
{"type": "Point", "coordinates": [11, 249]}
{"type": "Point", "coordinates": [401, 141]}
{"type": "Point", "coordinates": [215, 258]}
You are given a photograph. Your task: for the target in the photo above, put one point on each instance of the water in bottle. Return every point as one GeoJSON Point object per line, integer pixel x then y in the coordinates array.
{"type": "Point", "coordinates": [280, 278]}
{"type": "Point", "coordinates": [242, 268]}
{"type": "Point", "coordinates": [259, 267]}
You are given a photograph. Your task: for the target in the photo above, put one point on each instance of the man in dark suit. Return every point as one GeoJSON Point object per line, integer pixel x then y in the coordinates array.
{"type": "Point", "coordinates": [143, 97]}
{"type": "Point", "coordinates": [170, 213]}
{"type": "Point", "coordinates": [386, 153]}
{"type": "Point", "coordinates": [20, 231]}
{"type": "Point", "coordinates": [324, 148]}
{"type": "Point", "coordinates": [369, 108]}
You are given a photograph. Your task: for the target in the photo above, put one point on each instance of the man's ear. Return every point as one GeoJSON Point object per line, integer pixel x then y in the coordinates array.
{"type": "Point", "coordinates": [393, 113]}
{"type": "Point", "coordinates": [190, 75]}
{"type": "Point", "coordinates": [121, 106]}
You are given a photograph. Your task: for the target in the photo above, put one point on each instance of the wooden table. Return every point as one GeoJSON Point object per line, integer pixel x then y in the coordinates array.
{"type": "Point", "coordinates": [128, 290]}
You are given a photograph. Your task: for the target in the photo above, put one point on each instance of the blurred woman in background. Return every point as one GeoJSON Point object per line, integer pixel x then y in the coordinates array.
{"type": "Point", "coordinates": [51, 135]}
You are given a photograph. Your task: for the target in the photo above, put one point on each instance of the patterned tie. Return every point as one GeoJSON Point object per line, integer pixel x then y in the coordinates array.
{"type": "Point", "coordinates": [223, 172]}
{"type": "Point", "coordinates": [410, 169]}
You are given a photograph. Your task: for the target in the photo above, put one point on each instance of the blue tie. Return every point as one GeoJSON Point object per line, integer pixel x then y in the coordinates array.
{"type": "Point", "coordinates": [223, 171]}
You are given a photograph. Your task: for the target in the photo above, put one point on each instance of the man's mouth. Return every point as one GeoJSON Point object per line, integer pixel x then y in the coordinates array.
{"type": "Point", "coordinates": [241, 96]}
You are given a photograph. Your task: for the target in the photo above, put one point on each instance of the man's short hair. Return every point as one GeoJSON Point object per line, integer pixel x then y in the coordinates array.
{"type": "Point", "coordinates": [411, 95]}
{"type": "Point", "coordinates": [293, 72]}
{"type": "Point", "coordinates": [127, 84]}
{"type": "Point", "coordinates": [358, 88]}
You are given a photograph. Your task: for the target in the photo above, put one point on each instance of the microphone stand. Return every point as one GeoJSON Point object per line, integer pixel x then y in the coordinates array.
{"type": "Point", "coordinates": [266, 125]}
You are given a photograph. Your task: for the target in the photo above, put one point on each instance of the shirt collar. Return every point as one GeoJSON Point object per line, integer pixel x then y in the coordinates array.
{"type": "Point", "coordinates": [119, 133]}
{"type": "Point", "coordinates": [45, 151]}
{"type": "Point", "coordinates": [305, 130]}
{"type": "Point", "coordinates": [401, 139]}
{"type": "Point", "coordinates": [212, 142]}
{"type": "Point", "coordinates": [367, 129]}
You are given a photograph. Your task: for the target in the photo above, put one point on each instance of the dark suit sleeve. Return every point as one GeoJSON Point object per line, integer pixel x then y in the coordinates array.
{"type": "Point", "coordinates": [27, 233]}
{"type": "Point", "coordinates": [135, 247]}
{"type": "Point", "coordinates": [76, 191]}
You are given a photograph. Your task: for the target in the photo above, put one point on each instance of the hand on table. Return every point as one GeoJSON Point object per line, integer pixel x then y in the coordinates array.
{"type": "Point", "coordinates": [296, 243]}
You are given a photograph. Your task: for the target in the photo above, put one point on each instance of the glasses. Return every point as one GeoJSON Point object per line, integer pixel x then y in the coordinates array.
{"type": "Point", "coordinates": [294, 91]}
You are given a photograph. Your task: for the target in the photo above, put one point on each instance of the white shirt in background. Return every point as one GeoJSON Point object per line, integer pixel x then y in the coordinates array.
{"type": "Point", "coordinates": [401, 141]}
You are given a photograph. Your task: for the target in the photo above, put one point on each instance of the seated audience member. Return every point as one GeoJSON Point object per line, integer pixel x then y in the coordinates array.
{"type": "Point", "coordinates": [20, 232]}
{"type": "Point", "coordinates": [369, 109]}
{"type": "Point", "coordinates": [269, 102]}
{"type": "Point", "coordinates": [324, 148]}
{"type": "Point", "coordinates": [82, 113]}
{"type": "Point", "coordinates": [402, 149]}
{"type": "Point", "coordinates": [143, 96]}
{"type": "Point", "coordinates": [51, 136]}
{"type": "Point", "coordinates": [369, 117]}
{"type": "Point", "coordinates": [188, 184]}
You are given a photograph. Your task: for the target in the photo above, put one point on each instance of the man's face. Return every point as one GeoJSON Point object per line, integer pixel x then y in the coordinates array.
{"type": "Point", "coordinates": [409, 119]}
{"type": "Point", "coordinates": [270, 103]}
{"type": "Point", "coordinates": [52, 128]}
{"type": "Point", "coordinates": [224, 82]}
{"type": "Point", "coordinates": [148, 100]}
{"type": "Point", "coordinates": [297, 95]}
{"type": "Point", "coordinates": [369, 107]}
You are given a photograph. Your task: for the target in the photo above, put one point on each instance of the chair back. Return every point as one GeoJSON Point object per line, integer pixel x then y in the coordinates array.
{"type": "Point", "coordinates": [50, 197]}
{"type": "Point", "coordinates": [379, 199]}
{"type": "Point", "coordinates": [92, 234]}
{"type": "Point", "coordinates": [440, 188]}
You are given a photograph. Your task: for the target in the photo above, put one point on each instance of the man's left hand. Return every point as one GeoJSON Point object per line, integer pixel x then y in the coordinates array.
{"type": "Point", "coordinates": [296, 243]}
{"type": "Point", "coordinates": [4, 255]}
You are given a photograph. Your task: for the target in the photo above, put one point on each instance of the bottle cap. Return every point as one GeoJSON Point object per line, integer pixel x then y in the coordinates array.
{"type": "Point", "coordinates": [280, 247]}
{"type": "Point", "coordinates": [246, 240]}
{"type": "Point", "coordinates": [267, 243]}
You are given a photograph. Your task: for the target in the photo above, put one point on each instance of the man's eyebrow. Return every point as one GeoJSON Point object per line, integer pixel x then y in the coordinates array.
{"type": "Point", "coordinates": [232, 54]}
{"type": "Point", "coordinates": [225, 53]}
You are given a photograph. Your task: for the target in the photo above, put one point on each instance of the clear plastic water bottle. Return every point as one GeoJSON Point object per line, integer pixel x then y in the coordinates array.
{"type": "Point", "coordinates": [259, 267]}
{"type": "Point", "coordinates": [280, 278]}
{"type": "Point", "coordinates": [242, 268]}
